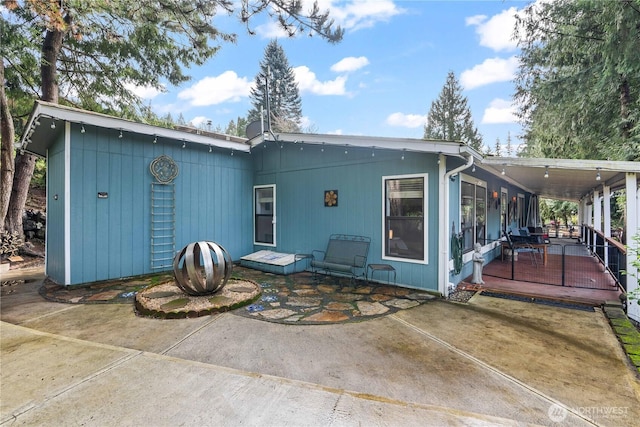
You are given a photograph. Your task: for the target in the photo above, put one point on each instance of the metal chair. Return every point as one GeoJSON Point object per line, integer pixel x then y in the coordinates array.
{"type": "Point", "coordinates": [523, 247]}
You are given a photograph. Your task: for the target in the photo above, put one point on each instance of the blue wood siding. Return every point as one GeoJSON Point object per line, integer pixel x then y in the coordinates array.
{"type": "Point", "coordinates": [304, 223]}
{"type": "Point", "coordinates": [55, 211]}
{"type": "Point", "coordinates": [110, 237]}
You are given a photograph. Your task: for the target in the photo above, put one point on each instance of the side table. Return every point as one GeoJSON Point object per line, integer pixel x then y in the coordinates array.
{"type": "Point", "coordinates": [382, 267]}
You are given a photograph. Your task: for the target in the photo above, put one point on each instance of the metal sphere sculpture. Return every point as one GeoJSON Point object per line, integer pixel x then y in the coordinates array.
{"type": "Point", "coordinates": [202, 268]}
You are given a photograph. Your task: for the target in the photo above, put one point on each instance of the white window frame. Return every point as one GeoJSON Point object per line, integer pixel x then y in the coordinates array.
{"type": "Point", "coordinates": [425, 218]}
{"type": "Point", "coordinates": [476, 182]}
{"type": "Point", "coordinates": [273, 222]}
{"type": "Point", "coordinates": [504, 210]}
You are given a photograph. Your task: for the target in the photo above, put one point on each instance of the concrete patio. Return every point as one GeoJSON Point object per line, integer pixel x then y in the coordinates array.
{"type": "Point", "coordinates": [489, 362]}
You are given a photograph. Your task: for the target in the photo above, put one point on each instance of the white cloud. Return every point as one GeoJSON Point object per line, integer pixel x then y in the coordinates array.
{"type": "Point", "coordinates": [475, 20]}
{"type": "Point", "coordinates": [308, 82]}
{"type": "Point", "coordinates": [492, 70]}
{"type": "Point", "coordinates": [496, 32]}
{"type": "Point", "coordinates": [406, 120]}
{"type": "Point", "coordinates": [144, 92]}
{"type": "Point", "coordinates": [199, 121]}
{"type": "Point", "coordinates": [360, 14]}
{"type": "Point", "coordinates": [227, 87]}
{"type": "Point", "coordinates": [335, 132]}
{"type": "Point", "coordinates": [499, 111]}
{"type": "Point", "coordinates": [271, 30]}
{"type": "Point", "coordinates": [350, 63]}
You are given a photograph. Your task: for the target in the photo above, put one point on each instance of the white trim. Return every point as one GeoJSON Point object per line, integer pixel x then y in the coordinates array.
{"type": "Point", "coordinates": [46, 209]}
{"type": "Point", "coordinates": [475, 182]}
{"type": "Point", "coordinates": [633, 228]}
{"type": "Point", "coordinates": [67, 203]}
{"type": "Point", "coordinates": [69, 114]}
{"type": "Point", "coordinates": [450, 148]}
{"type": "Point", "coordinates": [425, 218]}
{"type": "Point", "coordinates": [443, 213]}
{"type": "Point", "coordinates": [273, 221]}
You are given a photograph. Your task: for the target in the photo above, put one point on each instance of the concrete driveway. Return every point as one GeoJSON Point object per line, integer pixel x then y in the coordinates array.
{"type": "Point", "coordinates": [490, 362]}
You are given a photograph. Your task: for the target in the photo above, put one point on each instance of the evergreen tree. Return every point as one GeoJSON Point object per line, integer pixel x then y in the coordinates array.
{"type": "Point", "coordinates": [283, 101]}
{"type": "Point", "coordinates": [579, 77]}
{"type": "Point", "coordinates": [449, 117]}
{"type": "Point", "coordinates": [89, 53]}
{"type": "Point", "coordinates": [237, 127]}
{"type": "Point", "coordinates": [498, 150]}
{"type": "Point", "coordinates": [509, 146]}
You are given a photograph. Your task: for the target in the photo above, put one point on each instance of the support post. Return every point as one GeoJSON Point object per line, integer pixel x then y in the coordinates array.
{"type": "Point", "coordinates": [632, 229]}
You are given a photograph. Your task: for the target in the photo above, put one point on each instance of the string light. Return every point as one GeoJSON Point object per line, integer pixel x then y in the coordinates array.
{"type": "Point", "coordinates": [373, 152]}
{"type": "Point", "coordinates": [503, 171]}
{"type": "Point", "coordinates": [155, 139]}
{"type": "Point", "coordinates": [184, 144]}
{"type": "Point", "coordinates": [120, 136]}
{"type": "Point", "coordinates": [546, 171]}
{"type": "Point", "coordinates": [82, 129]}
{"type": "Point", "coordinates": [232, 152]}
{"type": "Point", "coordinates": [598, 177]}
{"type": "Point", "coordinates": [402, 157]}
{"type": "Point", "coordinates": [210, 149]}
{"type": "Point", "coordinates": [473, 169]}
{"type": "Point", "coordinates": [53, 125]}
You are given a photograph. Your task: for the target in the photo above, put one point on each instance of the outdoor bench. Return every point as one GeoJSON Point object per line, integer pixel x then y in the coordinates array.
{"type": "Point", "coordinates": [345, 254]}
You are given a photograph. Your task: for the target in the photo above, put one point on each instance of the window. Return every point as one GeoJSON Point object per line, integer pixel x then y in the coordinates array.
{"type": "Point", "coordinates": [521, 217]}
{"type": "Point", "coordinates": [264, 215]}
{"type": "Point", "coordinates": [473, 211]}
{"type": "Point", "coordinates": [404, 217]}
{"type": "Point", "coordinates": [504, 209]}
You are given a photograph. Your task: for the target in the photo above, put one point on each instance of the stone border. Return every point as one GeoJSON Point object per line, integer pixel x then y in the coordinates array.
{"type": "Point", "coordinates": [628, 335]}
{"type": "Point", "coordinates": [167, 301]}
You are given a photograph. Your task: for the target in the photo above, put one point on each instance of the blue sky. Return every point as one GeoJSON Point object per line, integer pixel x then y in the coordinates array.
{"type": "Point", "coordinates": [380, 80]}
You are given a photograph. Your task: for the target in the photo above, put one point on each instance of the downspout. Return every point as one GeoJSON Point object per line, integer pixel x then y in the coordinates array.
{"type": "Point", "coordinates": [445, 234]}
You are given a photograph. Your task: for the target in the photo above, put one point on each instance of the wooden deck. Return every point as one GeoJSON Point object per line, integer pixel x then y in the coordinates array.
{"type": "Point", "coordinates": [584, 282]}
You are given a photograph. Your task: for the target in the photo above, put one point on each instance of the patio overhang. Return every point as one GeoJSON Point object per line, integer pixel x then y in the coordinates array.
{"type": "Point", "coordinates": [568, 179]}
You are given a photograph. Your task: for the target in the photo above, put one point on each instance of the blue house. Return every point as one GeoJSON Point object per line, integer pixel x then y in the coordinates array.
{"type": "Point", "coordinates": [123, 196]}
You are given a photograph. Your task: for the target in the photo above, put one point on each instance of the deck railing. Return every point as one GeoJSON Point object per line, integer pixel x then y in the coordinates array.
{"type": "Point", "coordinates": [611, 253]}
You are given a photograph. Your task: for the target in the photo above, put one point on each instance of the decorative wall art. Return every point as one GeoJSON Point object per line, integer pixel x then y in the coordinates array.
{"type": "Point", "coordinates": [164, 169]}
{"type": "Point", "coordinates": [331, 198]}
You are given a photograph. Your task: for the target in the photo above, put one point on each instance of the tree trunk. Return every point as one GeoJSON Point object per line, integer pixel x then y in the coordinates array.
{"type": "Point", "coordinates": [6, 153]}
{"type": "Point", "coordinates": [25, 163]}
{"type": "Point", "coordinates": [48, 66]}
{"type": "Point", "coordinates": [625, 101]}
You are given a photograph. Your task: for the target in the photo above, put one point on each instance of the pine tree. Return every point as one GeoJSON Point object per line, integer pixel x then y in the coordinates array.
{"type": "Point", "coordinates": [498, 150]}
{"type": "Point", "coordinates": [277, 79]}
{"type": "Point", "coordinates": [449, 117]}
{"type": "Point", "coordinates": [92, 51]}
{"type": "Point", "coordinates": [509, 146]}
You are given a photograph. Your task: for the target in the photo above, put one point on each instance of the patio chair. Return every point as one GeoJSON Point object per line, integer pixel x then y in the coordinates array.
{"type": "Point", "coordinates": [523, 247]}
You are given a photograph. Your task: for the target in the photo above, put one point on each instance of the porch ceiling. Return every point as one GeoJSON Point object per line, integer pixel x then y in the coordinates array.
{"type": "Point", "coordinates": [568, 179]}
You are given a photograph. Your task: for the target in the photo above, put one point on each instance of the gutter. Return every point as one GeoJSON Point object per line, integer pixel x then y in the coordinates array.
{"type": "Point", "coordinates": [445, 235]}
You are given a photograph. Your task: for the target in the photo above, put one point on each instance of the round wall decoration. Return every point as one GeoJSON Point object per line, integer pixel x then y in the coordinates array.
{"type": "Point", "coordinates": [164, 169]}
